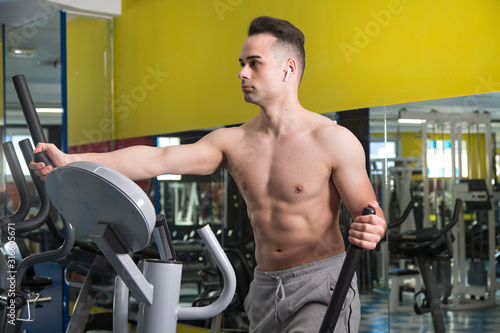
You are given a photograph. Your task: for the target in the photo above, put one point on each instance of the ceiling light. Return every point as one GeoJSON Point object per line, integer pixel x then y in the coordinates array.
{"type": "Point", "coordinates": [49, 110]}
{"type": "Point", "coordinates": [411, 121]}
{"type": "Point", "coordinates": [169, 177]}
{"type": "Point", "coordinates": [22, 52]}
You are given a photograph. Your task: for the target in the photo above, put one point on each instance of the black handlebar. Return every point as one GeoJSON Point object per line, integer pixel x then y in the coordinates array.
{"type": "Point", "coordinates": [21, 186]}
{"type": "Point", "coordinates": [30, 115]}
{"type": "Point", "coordinates": [43, 215]}
{"type": "Point", "coordinates": [45, 205]}
{"type": "Point", "coordinates": [429, 237]}
{"type": "Point", "coordinates": [343, 283]}
{"type": "Point", "coordinates": [403, 217]}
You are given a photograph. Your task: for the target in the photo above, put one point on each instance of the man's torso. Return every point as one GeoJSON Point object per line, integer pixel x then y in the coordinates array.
{"type": "Point", "coordinates": [292, 202]}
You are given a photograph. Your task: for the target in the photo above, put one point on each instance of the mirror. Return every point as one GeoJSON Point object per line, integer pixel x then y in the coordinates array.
{"type": "Point", "coordinates": [435, 152]}
{"type": "Point", "coordinates": [34, 50]}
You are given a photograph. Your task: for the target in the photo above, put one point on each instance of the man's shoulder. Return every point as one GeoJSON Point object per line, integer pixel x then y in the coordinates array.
{"type": "Point", "coordinates": [228, 130]}
{"type": "Point", "coordinates": [224, 134]}
{"type": "Point", "coordinates": [335, 139]}
{"type": "Point", "coordinates": [329, 129]}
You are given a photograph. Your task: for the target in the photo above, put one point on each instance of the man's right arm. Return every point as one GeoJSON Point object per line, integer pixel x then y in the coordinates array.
{"type": "Point", "coordinates": [143, 162]}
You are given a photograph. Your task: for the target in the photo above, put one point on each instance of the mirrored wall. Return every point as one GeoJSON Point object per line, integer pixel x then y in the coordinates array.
{"type": "Point", "coordinates": [439, 164]}
{"type": "Point", "coordinates": [33, 50]}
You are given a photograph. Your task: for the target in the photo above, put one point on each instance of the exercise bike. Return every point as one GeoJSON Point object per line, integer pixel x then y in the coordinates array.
{"type": "Point", "coordinates": [425, 246]}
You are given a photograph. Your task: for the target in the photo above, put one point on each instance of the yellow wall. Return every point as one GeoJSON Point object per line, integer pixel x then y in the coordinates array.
{"type": "Point", "coordinates": [176, 61]}
{"type": "Point", "coordinates": [89, 79]}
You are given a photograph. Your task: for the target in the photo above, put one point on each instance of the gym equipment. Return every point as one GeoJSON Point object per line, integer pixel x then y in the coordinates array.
{"type": "Point", "coordinates": [121, 223]}
{"type": "Point", "coordinates": [478, 283]}
{"type": "Point", "coordinates": [343, 282]}
{"type": "Point", "coordinates": [234, 317]}
{"type": "Point", "coordinates": [21, 186]}
{"type": "Point", "coordinates": [83, 258]}
{"type": "Point", "coordinates": [10, 255]}
{"type": "Point", "coordinates": [425, 246]}
{"type": "Point", "coordinates": [30, 115]}
{"type": "Point", "coordinates": [17, 225]}
{"type": "Point", "coordinates": [118, 216]}
{"type": "Point", "coordinates": [475, 167]}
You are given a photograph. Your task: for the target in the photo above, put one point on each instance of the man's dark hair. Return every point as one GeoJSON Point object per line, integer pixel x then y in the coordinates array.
{"type": "Point", "coordinates": [287, 34]}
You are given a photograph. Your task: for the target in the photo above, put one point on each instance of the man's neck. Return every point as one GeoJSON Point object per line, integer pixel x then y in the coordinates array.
{"type": "Point", "coordinates": [281, 118]}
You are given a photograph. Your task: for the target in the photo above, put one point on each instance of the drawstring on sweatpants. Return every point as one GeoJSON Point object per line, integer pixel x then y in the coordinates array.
{"type": "Point", "coordinates": [280, 292]}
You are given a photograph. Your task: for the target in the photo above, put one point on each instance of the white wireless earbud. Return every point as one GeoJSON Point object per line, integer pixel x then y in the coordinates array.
{"type": "Point", "coordinates": [287, 73]}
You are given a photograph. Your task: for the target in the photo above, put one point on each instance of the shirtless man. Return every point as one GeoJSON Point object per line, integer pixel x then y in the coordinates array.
{"type": "Point", "coordinates": [293, 167]}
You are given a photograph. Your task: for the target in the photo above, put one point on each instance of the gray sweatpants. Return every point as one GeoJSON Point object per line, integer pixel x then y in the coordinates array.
{"type": "Point", "coordinates": [295, 300]}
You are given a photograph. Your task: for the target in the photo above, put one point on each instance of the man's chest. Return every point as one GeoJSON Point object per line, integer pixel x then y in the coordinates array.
{"type": "Point", "coordinates": [285, 172]}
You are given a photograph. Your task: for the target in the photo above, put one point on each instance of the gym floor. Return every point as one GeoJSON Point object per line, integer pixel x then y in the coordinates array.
{"type": "Point", "coordinates": [375, 318]}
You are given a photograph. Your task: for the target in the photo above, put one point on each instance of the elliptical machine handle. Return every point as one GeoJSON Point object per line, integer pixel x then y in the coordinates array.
{"type": "Point", "coordinates": [350, 265]}
{"type": "Point", "coordinates": [37, 135]}
{"type": "Point", "coordinates": [228, 275]}
{"type": "Point", "coordinates": [21, 186]}
{"type": "Point", "coordinates": [31, 116]}
{"type": "Point", "coordinates": [45, 204]}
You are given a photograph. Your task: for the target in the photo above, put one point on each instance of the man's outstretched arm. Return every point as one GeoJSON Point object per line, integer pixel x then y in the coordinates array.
{"type": "Point", "coordinates": [143, 162]}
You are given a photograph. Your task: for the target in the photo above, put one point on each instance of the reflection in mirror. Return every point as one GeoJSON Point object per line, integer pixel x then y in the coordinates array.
{"type": "Point", "coordinates": [437, 152]}
{"type": "Point", "coordinates": [32, 50]}
{"type": "Point", "coordinates": [35, 51]}
{"type": "Point", "coordinates": [190, 201]}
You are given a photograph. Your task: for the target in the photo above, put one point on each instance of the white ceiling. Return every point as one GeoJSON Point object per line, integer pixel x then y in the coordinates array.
{"type": "Point", "coordinates": [487, 102]}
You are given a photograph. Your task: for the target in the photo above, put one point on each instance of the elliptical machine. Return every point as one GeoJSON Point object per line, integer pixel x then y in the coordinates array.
{"type": "Point", "coordinates": [13, 285]}
{"type": "Point", "coordinates": [118, 216]}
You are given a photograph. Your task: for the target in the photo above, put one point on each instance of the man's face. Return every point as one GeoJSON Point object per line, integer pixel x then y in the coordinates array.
{"type": "Point", "coordinates": [262, 72]}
